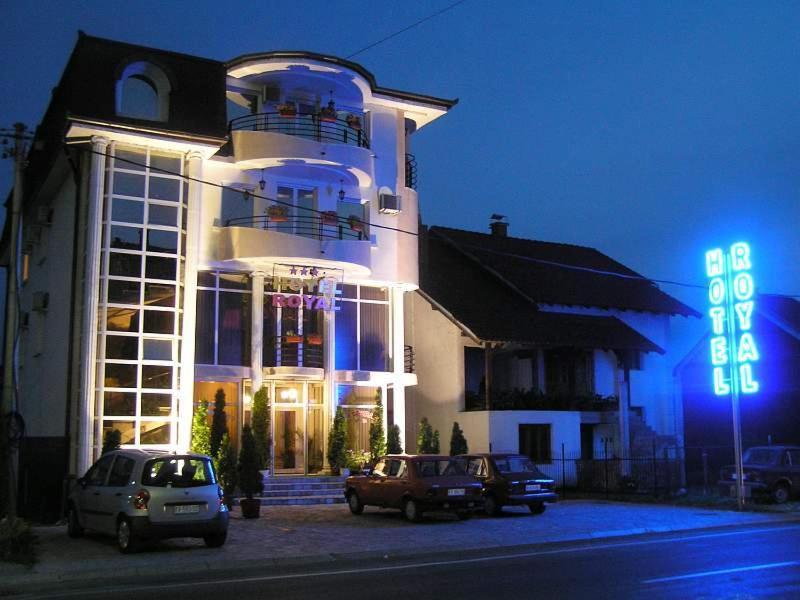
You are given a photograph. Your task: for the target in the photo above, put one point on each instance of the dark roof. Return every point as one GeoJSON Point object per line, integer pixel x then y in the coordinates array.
{"type": "Point", "coordinates": [527, 265]}
{"type": "Point", "coordinates": [343, 62]}
{"type": "Point", "coordinates": [494, 311]}
{"type": "Point", "coordinates": [783, 309]}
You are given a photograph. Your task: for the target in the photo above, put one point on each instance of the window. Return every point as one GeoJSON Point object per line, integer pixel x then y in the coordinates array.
{"type": "Point", "coordinates": [362, 329]}
{"type": "Point", "coordinates": [143, 92]}
{"type": "Point", "coordinates": [223, 319]}
{"type": "Point", "coordinates": [534, 441]}
{"type": "Point", "coordinates": [569, 372]}
{"type": "Point", "coordinates": [121, 471]}
{"type": "Point", "coordinates": [474, 378]}
{"type": "Point", "coordinates": [97, 474]}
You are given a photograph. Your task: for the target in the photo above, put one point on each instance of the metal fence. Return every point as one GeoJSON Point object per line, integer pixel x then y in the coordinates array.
{"type": "Point", "coordinates": [659, 471]}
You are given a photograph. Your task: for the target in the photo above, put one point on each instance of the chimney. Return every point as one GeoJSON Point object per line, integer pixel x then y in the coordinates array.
{"type": "Point", "coordinates": [498, 225]}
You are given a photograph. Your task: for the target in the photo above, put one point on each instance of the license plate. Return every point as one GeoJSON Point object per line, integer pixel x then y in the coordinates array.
{"type": "Point", "coordinates": [187, 509]}
{"type": "Point", "coordinates": [533, 487]}
{"type": "Point", "coordinates": [456, 492]}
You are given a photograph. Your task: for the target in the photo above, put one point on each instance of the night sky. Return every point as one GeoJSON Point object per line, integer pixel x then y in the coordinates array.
{"type": "Point", "coordinates": [648, 130]}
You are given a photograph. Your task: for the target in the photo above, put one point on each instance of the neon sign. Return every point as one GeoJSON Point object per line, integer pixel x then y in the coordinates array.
{"type": "Point", "coordinates": [730, 292]}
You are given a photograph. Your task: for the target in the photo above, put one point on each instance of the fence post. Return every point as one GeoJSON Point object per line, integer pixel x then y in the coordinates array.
{"type": "Point", "coordinates": [668, 469]}
{"type": "Point", "coordinates": [705, 472]}
{"type": "Point", "coordinates": [563, 473]}
{"type": "Point", "coordinates": [605, 463]}
{"type": "Point", "coordinates": [655, 471]}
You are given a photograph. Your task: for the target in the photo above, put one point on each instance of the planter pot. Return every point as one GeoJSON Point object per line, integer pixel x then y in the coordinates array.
{"type": "Point", "coordinates": [315, 340]}
{"type": "Point", "coordinates": [330, 218]}
{"type": "Point", "coordinates": [251, 507]}
{"type": "Point", "coordinates": [354, 123]}
{"type": "Point", "coordinates": [293, 339]}
{"type": "Point", "coordinates": [356, 225]}
{"type": "Point", "coordinates": [265, 473]}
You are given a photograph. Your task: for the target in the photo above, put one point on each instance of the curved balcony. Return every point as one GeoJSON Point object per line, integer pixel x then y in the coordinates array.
{"type": "Point", "coordinates": [311, 126]}
{"type": "Point", "coordinates": [325, 241]}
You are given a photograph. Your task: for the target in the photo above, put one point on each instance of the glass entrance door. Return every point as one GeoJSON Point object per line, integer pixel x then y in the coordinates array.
{"type": "Point", "coordinates": [298, 430]}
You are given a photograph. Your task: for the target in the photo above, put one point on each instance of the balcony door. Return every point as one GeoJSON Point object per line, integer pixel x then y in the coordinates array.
{"type": "Point", "coordinates": [301, 206]}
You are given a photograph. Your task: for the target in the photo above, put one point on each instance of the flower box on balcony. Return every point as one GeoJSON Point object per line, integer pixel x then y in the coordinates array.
{"type": "Point", "coordinates": [354, 122]}
{"type": "Point", "coordinates": [287, 110]}
{"type": "Point", "coordinates": [292, 338]}
{"type": "Point", "coordinates": [314, 339]}
{"type": "Point", "coordinates": [329, 217]}
{"type": "Point", "coordinates": [356, 224]}
{"type": "Point", "coordinates": [278, 214]}
{"type": "Point", "coordinates": [328, 113]}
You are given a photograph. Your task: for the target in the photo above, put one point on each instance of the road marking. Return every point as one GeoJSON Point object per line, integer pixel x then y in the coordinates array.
{"type": "Point", "coordinates": [417, 565]}
{"type": "Point", "coordinates": [723, 572]}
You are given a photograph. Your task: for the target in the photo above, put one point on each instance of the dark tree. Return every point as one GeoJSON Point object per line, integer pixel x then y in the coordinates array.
{"type": "Point", "coordinates": [261, 420]}
{"type": "Point", "coordinates": [377, 438]}
{"type": "Point", "coordinates": [458, 443]}
{"type": "Point", "coordinates": [337, 441]}
{"type": "Point", "coordinates": [393, 445]}
{"type": "Point", "coordinates": [250, 480]}
{"type": "Point", "coordinates": [219, 423]}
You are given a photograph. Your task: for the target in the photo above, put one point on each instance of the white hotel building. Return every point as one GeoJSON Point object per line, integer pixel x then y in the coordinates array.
{"type": "Point", "coordinates": [185, 223]}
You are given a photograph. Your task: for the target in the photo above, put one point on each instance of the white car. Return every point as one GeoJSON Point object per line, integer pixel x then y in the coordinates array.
{"type": "Point", "coordinates": [138, 495]}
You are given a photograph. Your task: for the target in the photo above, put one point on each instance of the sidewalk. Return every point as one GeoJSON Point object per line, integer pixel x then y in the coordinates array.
{"type": "Point", "coordinates": [288, 536]}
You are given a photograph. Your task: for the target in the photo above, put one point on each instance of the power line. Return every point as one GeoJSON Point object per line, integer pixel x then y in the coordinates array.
{"type": "Point", "coordinates": [396, 33]}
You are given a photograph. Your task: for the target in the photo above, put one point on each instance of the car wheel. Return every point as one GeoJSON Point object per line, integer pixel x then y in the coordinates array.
{"type": "Point", "coordinates": [215, 540]}
{"type": "Point", "coordinates": [537, 508]}
{"type": "Point", "coordinates": [126, 539]}
{"type": "Point", "coordinates": [464, 515]}
{"type": "Point", "coordinates": [74, 529]}
{"type": "Point", "coordinates": [781, 493]}
{"type": "Point", "coordinates": [354, 502]}
{"type": "Point", "coordinates": [411, 511]}
{"type": "Point", "coordinates": [491, 506]}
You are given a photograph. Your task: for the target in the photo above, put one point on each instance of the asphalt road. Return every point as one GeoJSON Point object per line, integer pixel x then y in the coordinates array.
{"type": "Point", "coordinates": [745, 562]}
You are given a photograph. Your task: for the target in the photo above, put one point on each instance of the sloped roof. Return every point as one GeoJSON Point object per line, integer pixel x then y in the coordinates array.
{"type": "Point", "coordinates": [494, 311]}
{"type": "Point", "coordinates": [528, 266]}
{"type": "Point", "coordinates": [783, 310]}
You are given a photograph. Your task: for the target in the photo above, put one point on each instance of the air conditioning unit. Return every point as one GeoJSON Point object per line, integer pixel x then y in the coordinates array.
{"type": "Point", "coordinates": [40, 301]}
{"type": "Point", "coordinates": [389, 204]}
{"type": "Point", "coordinates": [44, 215]}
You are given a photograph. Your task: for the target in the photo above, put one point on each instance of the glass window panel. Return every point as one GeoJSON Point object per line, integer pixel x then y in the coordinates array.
{"type": "Point", "coordinates": [162, 241]}
{"type": "Point", "coordinates": [127, 211]}
{"type": "Point", "coordinates": [184, 216]}
{"type": "Point", "coordinates": [122, 347]}
{"type": "Point", "coordinates": [346, 343]}
{"type": "Point", "coordinates": [139, 98]}
{"type": "Point", "coordinates": [162, 188]}
{"type": "Point", "coordinates": [125, 265]}
{"type": "Point", "coordinates": [234, 329]}
{"type": "Point", "coordinates": [127, 238]}
{"type": "Point", "coordinates": [161, 162]}
{"type": "Point", "coordinates": [127, 430]}
{"type": "Point", "coordinates": [117, 375]}
{"type": "Point", "coordinates": [124, 292]}
{"type": "Point", "coordinates": [159, 294]}
{"type": "Point", "coordinates": [132, 160]}
{"type": "Point", "coordinates": [270, 332]}
{"type": "Point", "coordinates": [204, 340]}
{"type": "Point", "coordinates": [119, 404]}
{"type": "Point", "coordinates": [156, 405]}
{"type": "Point", "coordinates": [157, 349]}
{"type": "Point", "coordinates": [159, 321]}
{"type": "Point", "coordinates": [154, 432]}
{"type": "Point", "coordinates": [129, 184]}
{"type": "Point", "coordinates": [374, 337]}
{"type": "Point", "coordinates": [207, 278]}
{"type": "Point", "coordinates": [160, 267]}
{"type": "Point", "coordinates": [374, 293]}
{"type": "Point", "coordinates": [157, 376]}
{"type": "Point", "coordinates": [158, 214]}
{"type": "Point", "coordinates": [122, 319]}
{"type": "Point", "coordinates": [234, 281]}
{"type": "Point", "coordinates": [348, 291]}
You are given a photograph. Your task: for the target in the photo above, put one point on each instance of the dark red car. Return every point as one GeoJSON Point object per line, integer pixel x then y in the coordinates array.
{"type": "Point", "coordinates": [415, 485]}
{"type": "Point", "coordinates": [510, 479]}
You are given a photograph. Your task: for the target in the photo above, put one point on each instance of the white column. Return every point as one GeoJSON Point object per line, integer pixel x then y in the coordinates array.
{"type": "Point", "coordinates": [91, 287]}
{"type": "Point", "coordinates": [257, 327]}
{"type": "Point", "coordinates": [398, 361]}
{"type": "Point", "coordinates": [624, 426]}
{"type": "Point", "coordinates": [329, 366]}
{"type": "Point", "coordinates": [194, 169]}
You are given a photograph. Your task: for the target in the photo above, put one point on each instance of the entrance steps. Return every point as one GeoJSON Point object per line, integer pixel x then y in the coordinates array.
{"type": "Point", "coordinates": [299, 490]}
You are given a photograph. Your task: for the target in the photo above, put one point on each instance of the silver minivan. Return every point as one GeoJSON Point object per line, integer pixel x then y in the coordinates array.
{"type": "Point", "coordinates": [148, 494]}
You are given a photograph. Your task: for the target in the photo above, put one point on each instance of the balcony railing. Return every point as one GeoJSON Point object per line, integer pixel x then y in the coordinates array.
{"type": "Point", "coordinates": [533, 400]}
{"type": "Point", "coordinates": [408, 359]}
{"type": "Point", "coordinates": [305, 125]}
{"type": "Point", "coordinates": [318, 227]}
{"type": "Point", "coordinates": [411, 171]}
{"type": "Point", "coordinates": [294, 351]}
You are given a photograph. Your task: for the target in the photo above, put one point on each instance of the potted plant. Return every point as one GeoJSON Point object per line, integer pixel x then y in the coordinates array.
{"type": "Point", "coordinates": [356, 224]}
{"type": "Point", "coordinates": [250, 480]}
{"type": "Point", "coordinates": [354, 122]}
{"type": "Point", "coordinates": [328, 113]}
{"type": "Point", "coordinates": [314, 339]}
{"type": "Point", "coordinates": [226, 470]}
{"type": "Point", "coordinates": [337, 441]}
{"type": "Point", "coordinates": [355, 461]}
{"type": "Point", "coordinates": [329, 217]}
{"type": "Point", "coordinates": [261, 422]}
{"type": "Point", "coordinates": [278, 213]}
{"type": "Point", "coordinates": [287, 109]}
{"type": "Point", "coordinates": [292, 338]}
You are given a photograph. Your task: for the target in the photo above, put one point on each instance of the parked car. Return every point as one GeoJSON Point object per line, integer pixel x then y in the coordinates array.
{"type": "Point", "coordinates": [415, 485]}
{"type": "Point", "coordinates": [510, 480]}
{"type": "Point", "coordinates": [140, 494]}
{"type": "Point", "coordinates": [772, 471]}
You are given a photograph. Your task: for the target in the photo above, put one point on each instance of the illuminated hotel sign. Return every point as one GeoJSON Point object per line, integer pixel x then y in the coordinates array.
{"type": "Point", "coordinates": [730, 291]}
{"type": "Point", "coordinates": [300, 279]}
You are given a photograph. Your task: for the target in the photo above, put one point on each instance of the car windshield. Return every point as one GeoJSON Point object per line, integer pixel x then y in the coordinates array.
{"type": "Point", "coordinates": [440, 468]}
{"type": "Point", "coordinates": [178, 471]}
{"type": "Point", "coordinates": [761, 456]}
{"type": "Point", "coordinates": [514, 464]}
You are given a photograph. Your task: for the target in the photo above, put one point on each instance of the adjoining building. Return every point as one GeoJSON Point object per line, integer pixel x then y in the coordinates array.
{"type": "Point", "coordinates": [532, 345]}
{"type": "Point", "coordinates": [191, 226]}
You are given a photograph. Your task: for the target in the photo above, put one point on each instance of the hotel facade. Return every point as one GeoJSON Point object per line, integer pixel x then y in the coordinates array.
{"type": "Point", "coordinates": [191, 226]}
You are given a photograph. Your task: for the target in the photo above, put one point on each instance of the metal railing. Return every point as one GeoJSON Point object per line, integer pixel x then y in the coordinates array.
{"type": "Point", "coordinates": [408, 359]}
{"type": "Point", "coordinates": [411, 171]}
{"type": "Point", "coordinates": [320, 227]}
{"type": "Point", "coordinates": [294, 351]}
{"type": "Point", "coordinates": [305, 125]}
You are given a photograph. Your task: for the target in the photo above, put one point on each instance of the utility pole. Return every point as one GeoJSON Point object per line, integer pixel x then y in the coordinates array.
{"type": "Point", "coordinates": [8, 454]}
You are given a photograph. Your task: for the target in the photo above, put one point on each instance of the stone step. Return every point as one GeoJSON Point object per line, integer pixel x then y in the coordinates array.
{"type": "Point", "coordinates": [303, 500]}
{"type": "Point", "coordinates": [289, 493]}
{"type": "Point", "coordinates": [271, 485]}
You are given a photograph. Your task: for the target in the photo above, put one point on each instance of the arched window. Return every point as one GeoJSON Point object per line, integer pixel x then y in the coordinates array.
{"type": "Point", "coordinates": [143, 92]}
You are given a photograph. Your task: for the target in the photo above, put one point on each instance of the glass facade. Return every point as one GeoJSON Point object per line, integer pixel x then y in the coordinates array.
{"type": "Point", "coordinates": [140, 301]}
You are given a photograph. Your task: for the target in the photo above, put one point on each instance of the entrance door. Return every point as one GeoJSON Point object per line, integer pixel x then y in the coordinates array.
{"type": "Point", "coordinates": [298, 428]}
